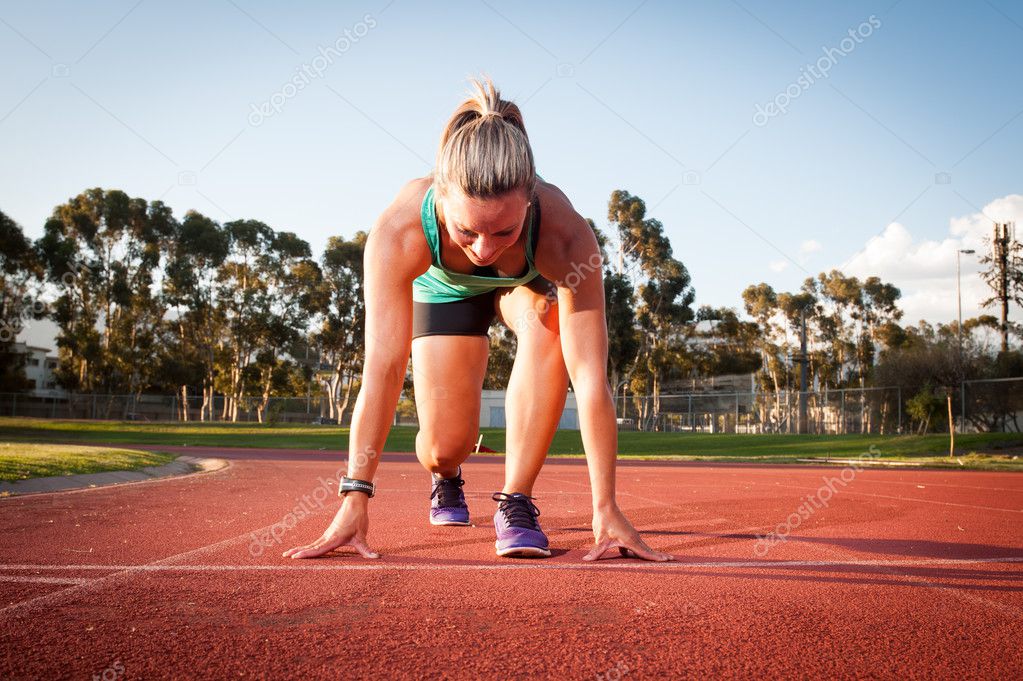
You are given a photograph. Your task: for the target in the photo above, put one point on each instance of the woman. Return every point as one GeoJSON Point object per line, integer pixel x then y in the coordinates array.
{"type": "Point", "coordinates": [483, 236]}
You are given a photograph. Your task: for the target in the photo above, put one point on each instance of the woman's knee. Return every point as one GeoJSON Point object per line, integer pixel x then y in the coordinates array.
{"type": "Point", "coordinates": [444, 449]}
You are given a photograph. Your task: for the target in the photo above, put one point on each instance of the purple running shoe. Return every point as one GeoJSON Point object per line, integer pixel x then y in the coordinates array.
{"type": "Point", "coordinates": [518, 532]}
{"type": "Point", "coordinates": [447, 505]}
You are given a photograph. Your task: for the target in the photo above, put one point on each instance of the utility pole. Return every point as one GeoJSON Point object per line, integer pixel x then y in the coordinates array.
{"type": "Point", "coordinates": [1001, 244]}
{"type": "Point", "coordinates": [801, 425]}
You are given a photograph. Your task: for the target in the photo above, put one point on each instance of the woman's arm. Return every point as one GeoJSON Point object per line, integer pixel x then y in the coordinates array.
{"type": "Point", "coordinates": [396, 253]}
{"type": "Point", "coordinates": [580, 279]}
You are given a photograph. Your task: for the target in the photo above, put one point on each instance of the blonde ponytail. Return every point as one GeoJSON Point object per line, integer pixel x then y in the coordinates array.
{"type": "Point", "coordinates": [484, 150]}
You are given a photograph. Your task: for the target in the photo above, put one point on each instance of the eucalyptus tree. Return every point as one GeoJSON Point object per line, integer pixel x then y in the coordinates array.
{"type": "Point", "coordinates": [102, 251]}
{"type": "Point", "coordinates": [339, 338]}
{"type": "Point", "coordinates": [620, 314]}
{"type": "Point", "coordinates": [195, 255]}
{"type": "Point", "coordinates": [664, 294]}
{"type": "Point", "coordinates": [761, 303]}
{"type": "Point", "coordinates": [20, 299]}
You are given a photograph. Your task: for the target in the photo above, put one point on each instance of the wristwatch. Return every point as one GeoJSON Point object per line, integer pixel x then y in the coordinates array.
{"type": "Point", "coordinates": [353, 485]}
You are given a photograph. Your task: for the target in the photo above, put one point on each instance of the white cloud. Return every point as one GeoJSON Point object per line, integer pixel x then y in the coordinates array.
{"type": "Point", "coordinates": [809, 246]}
{"type": "Point", "coordinates": [778, 265]}
{"type": "Point", "coordinates": [925, 269]}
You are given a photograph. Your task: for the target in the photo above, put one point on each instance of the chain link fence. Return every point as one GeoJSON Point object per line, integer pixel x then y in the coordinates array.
{"type": "Point", "coordinates": [977, 406]}
{"type": "Point", "coordinates": [851, 410]}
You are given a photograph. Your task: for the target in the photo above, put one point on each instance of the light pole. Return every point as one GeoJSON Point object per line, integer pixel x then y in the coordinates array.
{"type": "Point", "coordinates": [959, 297]}
{"type": "Point", "coordinates": [959, 337]}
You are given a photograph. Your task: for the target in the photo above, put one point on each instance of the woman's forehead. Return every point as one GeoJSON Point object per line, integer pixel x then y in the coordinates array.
{"type": "Point", "coordinates": [493, 213]}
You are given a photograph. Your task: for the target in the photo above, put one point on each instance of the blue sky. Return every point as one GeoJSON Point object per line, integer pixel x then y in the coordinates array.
{"type": "Point", "coordinates": [156, 98]}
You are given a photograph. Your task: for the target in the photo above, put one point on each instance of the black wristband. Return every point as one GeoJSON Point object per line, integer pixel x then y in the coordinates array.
{"type": "Point", "coordinates": [353, 485]}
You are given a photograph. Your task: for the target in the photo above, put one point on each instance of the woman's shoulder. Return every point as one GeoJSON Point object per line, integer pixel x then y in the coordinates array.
{"type": "Point", "coordinates": [406, 207]}
{"type": "Point", "coordinates": [401, 226]}
{"type": "Point", "coordinates": [562, 229]}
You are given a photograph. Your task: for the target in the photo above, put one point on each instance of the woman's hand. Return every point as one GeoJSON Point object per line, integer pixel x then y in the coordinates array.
{"type": "Point", "coordinates": [348, 528]}
{"type": "Point", "coordinates": [611, 529]}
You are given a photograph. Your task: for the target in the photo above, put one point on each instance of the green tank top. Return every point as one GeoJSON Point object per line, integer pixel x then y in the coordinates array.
{"type": "Point", "coordinates": [438, 285]}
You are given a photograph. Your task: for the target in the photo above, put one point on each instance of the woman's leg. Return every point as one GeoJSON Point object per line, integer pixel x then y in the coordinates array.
{"type": "Point", "coordinates": [448, 374]}
{"type": "Point", "coordinates": [539, 381]}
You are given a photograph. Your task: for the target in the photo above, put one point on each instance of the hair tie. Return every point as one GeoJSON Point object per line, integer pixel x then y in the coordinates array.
{"type": "Point", "coordinates": [487, 114]}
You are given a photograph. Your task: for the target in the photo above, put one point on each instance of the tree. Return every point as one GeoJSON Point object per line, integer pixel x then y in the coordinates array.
{"type": "Point", "coordinates": [761, 303]}
{"type": "Point", "coordinates": [20, 276]}
{"type": "Point", "coordinates": [198, 250]}
{"type": "Point", "coordinates": [295, 282]}
{"type": "Point", "coordinates": [1004, 273]}
{"type": "Point", "coordinates": [265, 288]}
{"type": "Point", "coordinates": [664, 295]}
{"type": "Point", "coordinates": [620, 312]}
{"type": "Point", "coordinates": [342, 326]}
{"type": "Point", "coordinates": [102, 250]}
{"type": "Point", "coordinates": [242, 296]}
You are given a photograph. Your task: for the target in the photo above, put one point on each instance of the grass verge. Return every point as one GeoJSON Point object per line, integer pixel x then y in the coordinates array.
{"type": "Point", "coordinates": [21, 461]}
{"type": "Point", "coordinates": [974, 450]}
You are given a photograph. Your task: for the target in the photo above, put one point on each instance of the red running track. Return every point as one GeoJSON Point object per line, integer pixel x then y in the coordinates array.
{"type": "Point", "coordinates": [904, 574]}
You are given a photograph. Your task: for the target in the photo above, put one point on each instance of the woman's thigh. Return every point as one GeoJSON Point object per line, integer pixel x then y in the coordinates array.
{"type": "Point", "coordinates": [448, 373]}
{"type": "Point", "coordinates": [531, 312]}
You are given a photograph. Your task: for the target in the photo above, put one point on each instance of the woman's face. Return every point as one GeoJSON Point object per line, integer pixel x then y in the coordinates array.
{"type": "Point", "coordinates": [483, 228]}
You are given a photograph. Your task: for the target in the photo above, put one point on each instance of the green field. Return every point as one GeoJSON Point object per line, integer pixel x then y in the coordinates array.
{"type": "Point", "coordinates": [975, 450]}
{"type": "Point", "coordinates": [21, 460]}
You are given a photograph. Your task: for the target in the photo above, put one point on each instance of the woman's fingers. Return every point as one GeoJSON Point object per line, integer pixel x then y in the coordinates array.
{"type": "Point", "coordinates": [317, 548]}
{"type": "Point", "coordinates": [598, 550]}
{"type": "Point", "coordinates": [296, 549]}
{"type": "Point", "coordinates": [360, 546]}
{"type": "Point", "coordinates": [638, 549]}
{"type": "Point", "coordinates": [327, 544]}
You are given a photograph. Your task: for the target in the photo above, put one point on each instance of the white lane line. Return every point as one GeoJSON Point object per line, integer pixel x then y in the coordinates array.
{"type": "Point", "coordinates": [922, 501]}
{"type": "Point", "coordinates": [44, 580]}
{"type": "Point", "coordinates": [126, 570]}
{"type": "Point", "coordinates": [910, 483]}
{"type": "Point", "coordinates": [607, 565]}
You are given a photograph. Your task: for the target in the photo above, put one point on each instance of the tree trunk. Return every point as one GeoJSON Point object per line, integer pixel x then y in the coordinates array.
{"type": "Point", "coordinates": [348, 396]}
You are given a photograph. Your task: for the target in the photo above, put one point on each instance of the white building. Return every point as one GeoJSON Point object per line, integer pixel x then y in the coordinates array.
{"type": "Point", "coordinates": [39, 368]}
{"type": "Point", "coordinates": [492, 411]}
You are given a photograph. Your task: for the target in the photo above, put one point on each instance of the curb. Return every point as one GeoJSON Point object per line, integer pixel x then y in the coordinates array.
{"type": "Point", "coordinates": [183, 465]}
{"type": "Point", "coordinates": [867, 462]}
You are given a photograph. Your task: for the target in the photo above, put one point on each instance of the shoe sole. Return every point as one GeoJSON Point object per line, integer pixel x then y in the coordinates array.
{"type": "Point", "coordinates": [445, 523]}
{"type": "Point", "coordinates": [522, 552]}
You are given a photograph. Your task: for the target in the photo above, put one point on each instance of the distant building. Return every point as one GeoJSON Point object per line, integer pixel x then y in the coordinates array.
{"type": "Point", "coordinates": [492, 413]}
{"type": "Point", "coordinates": [39, 370]}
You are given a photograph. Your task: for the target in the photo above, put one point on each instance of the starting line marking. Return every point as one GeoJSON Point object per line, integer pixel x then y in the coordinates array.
{"type": "Point", "coordinates": [608, 565]}
{"type": "Point", "coordinates": [44, 580]}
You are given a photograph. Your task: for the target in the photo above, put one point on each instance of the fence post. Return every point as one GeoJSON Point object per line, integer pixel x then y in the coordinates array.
{"type": "Point", "coordinates": [14, 404]}
{"type": "Point", "coordinates": [898, 399]}
{"type": "Point", "coordinates": [841, 422]}
{"type": "Point", "coordinates": [962, 407]}
{"type": "Point", "coordinates": [736, 413]}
